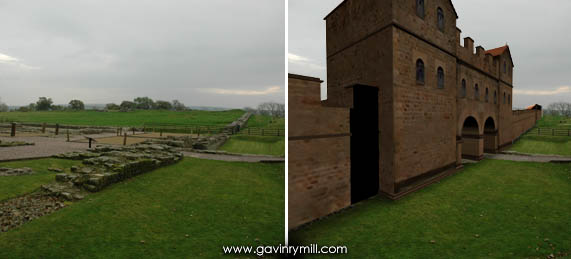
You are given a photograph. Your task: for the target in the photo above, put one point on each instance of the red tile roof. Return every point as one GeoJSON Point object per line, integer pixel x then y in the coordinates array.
{"type": "Point", "coordinates": [497, 51]}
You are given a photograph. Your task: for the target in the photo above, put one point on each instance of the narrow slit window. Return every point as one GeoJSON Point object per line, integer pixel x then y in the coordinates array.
{"type": "Point", "coordinates": [487, 95]}
{"type": "Point", "coordinates": [420, 71]}
{"type": "Point", "coordinates": [420, 8]}
{"type": "Point", "coordinates": [463, 90]}
{"type": "Point", "coordinates": [440, 15]}
{"type": "Point", "coordinates": [440, 77]}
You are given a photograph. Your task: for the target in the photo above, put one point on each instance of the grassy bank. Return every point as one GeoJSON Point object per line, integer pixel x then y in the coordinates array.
{"type": "Point", "coordinates": [190, 209]}
{"type": "Point", "coordinates": [263, 121]}
{"type": "Point", "coordinates": [13, 186]}
{"type": "Point", "coordinates": [493, 209]}
{"type": "Point", "coordinates": [547, 145]}
{"type": "Point", "coordinates": [255, 145]}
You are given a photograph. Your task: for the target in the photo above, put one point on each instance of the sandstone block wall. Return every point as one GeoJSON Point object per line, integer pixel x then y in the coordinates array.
{"type": "Point", "coordinates": [319, 159]}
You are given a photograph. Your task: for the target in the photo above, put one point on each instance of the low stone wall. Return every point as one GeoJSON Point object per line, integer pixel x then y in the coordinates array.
{"type": "Point", "coordinates": [240, 123]}
{"type": "Point", "coordinates": [200, 143]}
{"type": "Point", "coordinates": [15, 143]}
{"type": "Point", "coordinates": [106, 165]}
{"type": "Point", "coordinates": [15, 171]}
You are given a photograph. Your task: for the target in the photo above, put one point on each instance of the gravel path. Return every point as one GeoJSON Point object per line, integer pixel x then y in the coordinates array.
{"type": "Point", "coordinates": [44, 147]}
{"type": "Point", "coordinates": [527, 158]}
{"type": "Point", "coordinates": [234, 158]}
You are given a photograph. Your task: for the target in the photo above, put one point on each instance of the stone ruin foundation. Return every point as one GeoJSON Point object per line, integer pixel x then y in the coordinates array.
{"type": "Point", "coordinates": [15, 143]}
{"type": "Point", "coordinates": [101, 167]}
{"type": "Point", "coordinates": [15, 171]}
{"type": "Point", "coordinates": [105, 165]}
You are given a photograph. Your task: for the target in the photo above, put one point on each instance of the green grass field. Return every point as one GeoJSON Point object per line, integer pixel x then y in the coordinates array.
{"type": "Point", "coordinates": [187, 210]}
{"type": "Point", "coordinates": [13, 186]}
{"type": "Point", "coordinates": [261, 145]}
{"type": "Point", "coordinates": [263, 121]}
{"type": "Point", "coordinates": [554, 121]}
{"type": "Point", "coordinates": [547, 145]}
{"type": "Point", "coordinates": [493, 209]}
{"type": "Point", "coordinates": [132, 118]}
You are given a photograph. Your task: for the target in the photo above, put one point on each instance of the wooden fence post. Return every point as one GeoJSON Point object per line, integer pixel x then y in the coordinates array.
{"type": "Point", "coordinates": [57, 129]}
{"type": "Point", "coordinates": [198, 130]}
{"type": "Point", "coordinates": [133, 130]}
{"type": "Point", "coordinates": [125, 139]}
{"type": "Point", "coordinates": [90, 139]}
{"type": "Point", "coordinates": [161, 134]}
{"type": "Point", "coordinates": [13, 131]}
{"type": "Point", "coordinates": [68, 137]}
{"type": "Point", "coordinates": [44, 127]}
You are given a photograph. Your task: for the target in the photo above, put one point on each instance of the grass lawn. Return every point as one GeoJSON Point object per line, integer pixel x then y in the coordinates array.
{"type": "Point", "coordinates": [215, 203]}
{"type": "Point", "coordinates": [517, 209]}
{"type": "Point", "coordinates": [554, 121]}
{"type": "Point", "coordinates": [133, 118]}
{"type": "Point", "coordinates": [543, 145]}
{"type": "Point", "coordinates": [262, 145]}
{"type": "Point", "coordinates": [264, 121]}
{"type": "Point", "coordinates": [13, 186]}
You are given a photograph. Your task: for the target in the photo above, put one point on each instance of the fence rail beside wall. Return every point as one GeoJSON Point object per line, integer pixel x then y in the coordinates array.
{"type": "Point", "coordinates": [550, 132]}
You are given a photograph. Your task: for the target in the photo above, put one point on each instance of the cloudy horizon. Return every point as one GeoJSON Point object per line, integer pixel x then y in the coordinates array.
{"type": "Point", "coordinates": [537, 33]}
{"type": "Point", "coordinates": [219, 53]}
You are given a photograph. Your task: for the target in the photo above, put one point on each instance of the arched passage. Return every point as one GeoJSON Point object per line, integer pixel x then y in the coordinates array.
{"type": "Point", "coordinates": [490, 136]}
{"type": "Point", "coordinates": [473, 145]}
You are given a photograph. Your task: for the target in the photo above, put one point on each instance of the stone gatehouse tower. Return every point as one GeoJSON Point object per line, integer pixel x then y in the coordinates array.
{"type": "Point", "coordinates": [405, 102]}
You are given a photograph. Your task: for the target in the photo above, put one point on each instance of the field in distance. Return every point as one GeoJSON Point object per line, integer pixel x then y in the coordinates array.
{"type": "Point", "coordinates": [131, 118]}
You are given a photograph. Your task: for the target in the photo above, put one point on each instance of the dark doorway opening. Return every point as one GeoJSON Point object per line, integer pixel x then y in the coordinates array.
{"type": "Point", "coordinates": [364, 143]}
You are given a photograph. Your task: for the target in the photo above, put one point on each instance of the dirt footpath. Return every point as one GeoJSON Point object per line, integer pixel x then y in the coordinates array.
{"type": "Point", "coordinates": [44, 147]}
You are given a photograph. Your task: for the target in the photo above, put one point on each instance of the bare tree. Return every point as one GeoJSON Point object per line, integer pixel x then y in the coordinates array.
{"type": "Point", "coordinates": [272, 109]}
{"type": "Point", "coordinates": [559, 108]}
{"type": "Point", "coordinates": [3, 106]}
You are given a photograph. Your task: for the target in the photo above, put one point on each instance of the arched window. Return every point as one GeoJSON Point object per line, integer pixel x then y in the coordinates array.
{"type": "Point", "coordinates": [509, 99]}
{"type": "Point", "coordinates": [463, 89]}
{"type": "Point", "coordinates": [420, 8]}
{"type": "Point", "coordinates": [420, 71]}
{"type": "Point", "coordinates": [440, 77]}
{"type": "Point", "coordinates": [504, 98]}
{"type": "Point", "coordinates": [476, 92]}
{"type": "Point", "coordinates": [505, 67]}
{"type": "Point", "coordinates": [487, 98]}
{"type": "Point", "coordinates": [495, 97]}
{"type": "Point", "coordinates": [440, 15]}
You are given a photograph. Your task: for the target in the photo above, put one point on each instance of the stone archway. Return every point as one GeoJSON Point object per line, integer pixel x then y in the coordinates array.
{"type": "Point", "coordinates": [490, 136]}
{"type": "Point", "coordinates": [473, 141]}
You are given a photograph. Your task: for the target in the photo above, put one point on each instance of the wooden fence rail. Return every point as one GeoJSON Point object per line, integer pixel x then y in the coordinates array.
{"type": "Point", "coordinates": [550, 132]}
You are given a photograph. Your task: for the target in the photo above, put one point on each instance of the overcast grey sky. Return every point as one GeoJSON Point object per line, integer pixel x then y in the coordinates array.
{"type": "Point", "coordinates": [223, 53]}
{"type": "Point", "coordinates": [537, 32]}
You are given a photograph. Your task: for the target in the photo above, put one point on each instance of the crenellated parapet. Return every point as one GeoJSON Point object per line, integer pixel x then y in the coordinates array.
{"type": "Point", "coordinates": [477, 59]}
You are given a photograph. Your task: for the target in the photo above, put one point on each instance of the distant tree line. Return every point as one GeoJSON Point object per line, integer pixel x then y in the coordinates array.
{"type": "Point", "coordinates": [269, 108]}
{"type": "Point", "coordinates": [146, 103]}
{"type": "Point", "coordinates": [558, 108]}
{"type": "Point", "coordinates": [139, 103]}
